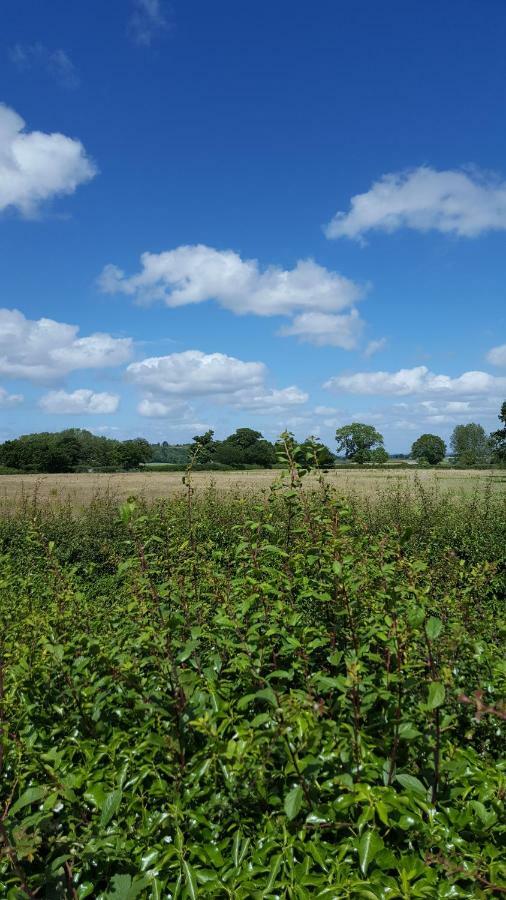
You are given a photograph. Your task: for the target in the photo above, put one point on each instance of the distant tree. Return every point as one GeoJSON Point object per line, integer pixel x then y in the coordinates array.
{"type": "Point", "coordinates": [470, 444]}
{"type": "Point", "coordinates": [429, 448]}
{"type": "Point", "coordinates": [203, 447]}
{"type": "Point", "coordinates": [245, 447]}
{"type": "Point", "coordinates": [317, 453]}
{"type": "Point", "coordinates": [72, 449]}
{"type": "Point", "coordinates": [357, 441]}
{"type": "Point", "coordinates": [244, 437]}
{"type": "Point", "coordinates": [498, 438]}
{"type": "Point", "coordinates": [379, 456]}
{"type": "Point", "coordinates": [133, 453]}
{"type": "Point", "coordinates": [228, 454]}
{"type": "Point", "coordinates": [261, 453]}
{"type": "Point", "coordinates": [170, 453]}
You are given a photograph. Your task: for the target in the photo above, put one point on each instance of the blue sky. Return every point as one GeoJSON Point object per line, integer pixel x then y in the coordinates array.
{"type": "Point", "coordinates": [267, 214]}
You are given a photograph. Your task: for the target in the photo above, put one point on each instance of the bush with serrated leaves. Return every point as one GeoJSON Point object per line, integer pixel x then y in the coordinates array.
{"type": "Point", "coordinates": [288, 697]}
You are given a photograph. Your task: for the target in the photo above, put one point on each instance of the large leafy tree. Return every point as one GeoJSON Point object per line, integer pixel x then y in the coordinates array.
{"type": "Point", "coordinates": [133, 453]}
{"type": "Point", "coordinates": [429, 448]}
{"type": "Point", "coordinates": [245, 446]}
{"type": "Point", "coordinates": [470, 444]}
{"type": "Point", "coordinates": [379, 456]}
{"type": "Point", "coordinates": [357, 441]}
{"type": "Point", "coordinates": [498, 438]}
{"type": "Point", "coordinates": [203, 447]}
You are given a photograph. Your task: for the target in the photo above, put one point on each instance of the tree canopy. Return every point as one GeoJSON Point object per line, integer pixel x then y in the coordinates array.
{"type": "Point", "coordinates": [470, 444]}
{"type": "Point", "coordinates": [498, 438]}
{"type": "Point", "coordinates": [244, 447]}
{"type": "Point", "coordinates": [357, 441]}
{"type": "Point", "coordinates": [429, 448]}
{"type": "Point", "coordinates": [72, 449]}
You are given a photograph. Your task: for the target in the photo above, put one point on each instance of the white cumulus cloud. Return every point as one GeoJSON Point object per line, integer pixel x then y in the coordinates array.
{"type": "Point", "coordinates": [35, 166]}
{"type": "Point", "coordinates": [197, 273]}
{"type": "Point", "coordinates": [195, 373]}
{"type": "Point", "coordinates": [43, 350]}
{"type": "Point", "coordinates": [269, 400]}
{"type": "Point", "coordinates": [326, 329]}
{"type": "Point", "coordinates": [466, 203]}
{"type": "Point", "coordinates": [497, 355]}
{"type": "Point", "coordinates": [418, 380]}
{"type": "Point", "coordinates": [80, 401]}
{"type": "Point", "coordinates": [161, 408]}
{"type": "Point", "coordinates": [167, 381]}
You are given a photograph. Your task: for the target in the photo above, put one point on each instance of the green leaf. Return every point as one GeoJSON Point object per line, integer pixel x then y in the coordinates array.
{"type": "Point", "coordinates": [95, 794]}
{"type": "Point", "coordinates": [267, 694]}
{"type": "Point", "coordinates": [32, 795]}
{"type": "Point", "coordinates": [412, 784]}
{"type": "Point", "coordinates": [293, 801]}
{"type": "Point", "coordinates": [191, 880]}
{"type": "Point", "coordinates": [110, 807]}
{"type": "Point", "coordinates": [369, 846]}
{"type": "Point", "coordinates": [147, 859]}
{"type": "Point", "coordinates": [433, 628]}
{"type": "Point", "coordinates": [436, 695]}
{"type": "Point", "coordinates": [120, 885]}
{"type": "Point", "coordinates": [273, 872]}
{"type": "Point", "coordinates": [187, 651]}
{"type": "Point", "coordinates": [407, 731]}
{"type": "Point", "coordinates": [236, 848]}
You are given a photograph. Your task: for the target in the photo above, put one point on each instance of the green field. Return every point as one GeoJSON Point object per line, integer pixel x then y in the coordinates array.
{"type": "Point", "coordinates": [270, 691]}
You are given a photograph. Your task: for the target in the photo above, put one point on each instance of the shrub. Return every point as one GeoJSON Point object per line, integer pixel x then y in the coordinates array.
{"type": "Point", "coordinates": [292, 695]}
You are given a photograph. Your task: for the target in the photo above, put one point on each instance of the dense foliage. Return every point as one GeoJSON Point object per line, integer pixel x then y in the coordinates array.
{"type": "Point", "coordinates": [286, 697]}
{"type": "Point", "coordinates": [71, 450]}
{"type": "Point", "coordinates": [429, 448]}
{"type": "Point", "coordinates": [358, 441]}
{"type": "Point", "coordinates": [177, 454]}
{"type": "Point", "coordinates": [498, 438]}
{"type": "Point", "coordinates": [470, 444]}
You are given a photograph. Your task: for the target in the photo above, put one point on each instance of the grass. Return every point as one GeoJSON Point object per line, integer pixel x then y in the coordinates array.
{"type": "Point", "coordinates": [254, 694]}
{"type": "Point", "coordinates": [81, 489]}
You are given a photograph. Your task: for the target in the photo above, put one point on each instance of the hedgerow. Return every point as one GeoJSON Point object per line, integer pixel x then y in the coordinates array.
{"type": "Point", "coordinates": [292, 696]}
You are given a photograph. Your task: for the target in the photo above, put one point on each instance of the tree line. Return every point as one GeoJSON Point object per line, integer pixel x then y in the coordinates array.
{"type": "Point", "coordinates": [470, 445]}
{"type": "Point", "coordinates": [76, 449]}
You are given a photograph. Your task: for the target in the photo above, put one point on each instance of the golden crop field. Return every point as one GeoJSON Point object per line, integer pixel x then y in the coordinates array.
{"type": "Point", "coordinates": [81, 489]}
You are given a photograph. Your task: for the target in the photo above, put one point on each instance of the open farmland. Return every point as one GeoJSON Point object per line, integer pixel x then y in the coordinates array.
{"type": "Point", "coordinates": [80, 489]}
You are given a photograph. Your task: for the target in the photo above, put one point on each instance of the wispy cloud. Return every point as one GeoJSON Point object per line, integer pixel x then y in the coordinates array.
{"type": "Point", "coordinates": [375, 347]}
{"type": "Point", "coordinates": [148, 20]}
{"type": "Point", "coordinates": [497, 355]}
{"type": "Point", "coordinates": [27, 57]}
{"type": "Point", "coordinates": [8, 400]}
